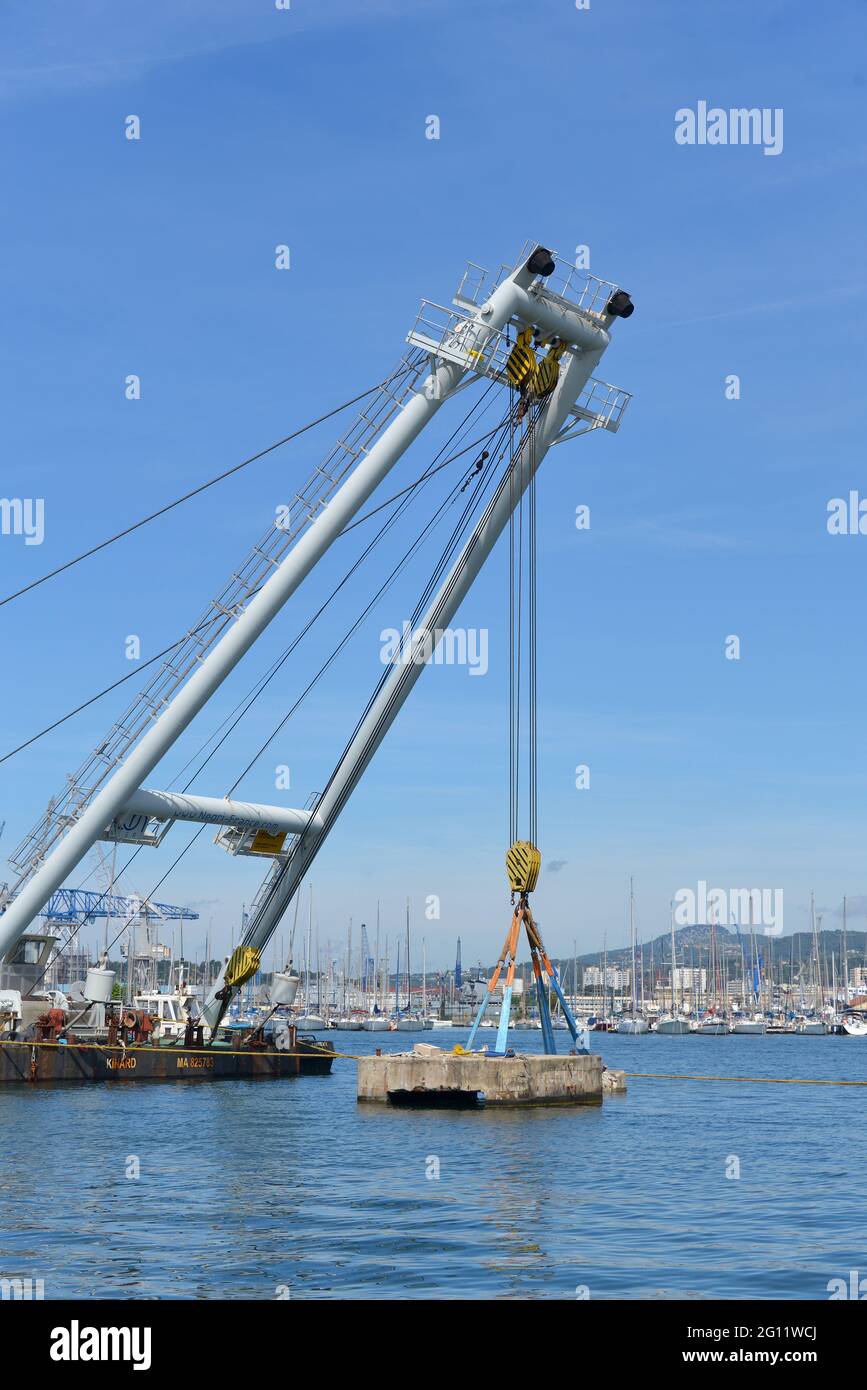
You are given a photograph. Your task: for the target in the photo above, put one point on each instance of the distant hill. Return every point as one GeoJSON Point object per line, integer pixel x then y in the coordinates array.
{"type": "Point", "coordinates": [692, 945]}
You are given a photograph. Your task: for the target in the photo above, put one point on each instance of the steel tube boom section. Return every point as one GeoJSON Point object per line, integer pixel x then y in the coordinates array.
{"type": "Point", "coordinates": [214, 810]}
{"type": "Point", "coordinates": [574, 373]}
{"type": "Point", "coordinates": [556, 316]}
{"type": "Point", "coordinates": [251, 623]}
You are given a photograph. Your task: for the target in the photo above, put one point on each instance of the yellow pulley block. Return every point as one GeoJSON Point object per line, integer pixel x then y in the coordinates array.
{"type": "Point", "coordinates": [546, 373]}
{"type": "Point", "coordinates": [523, 862]}
{"type": "Point", "coordinates": [521, 363]}
{"type": "Point", "coordinates": [241, 965]}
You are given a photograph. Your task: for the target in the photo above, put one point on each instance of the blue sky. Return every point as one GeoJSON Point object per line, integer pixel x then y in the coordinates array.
{"type": "Point", "coordinates": [708, 516]}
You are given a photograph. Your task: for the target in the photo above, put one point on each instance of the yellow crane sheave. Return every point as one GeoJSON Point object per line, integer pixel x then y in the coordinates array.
{"type": "Point", "coordinates": [523, 862]}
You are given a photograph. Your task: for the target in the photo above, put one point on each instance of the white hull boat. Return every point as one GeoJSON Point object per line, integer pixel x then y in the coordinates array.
{"type": "Point", "coordinates": [855, 1027]}
{"type": "Point", "coordinates": [374, 1024]}
{"type": "Point", "coordinates": [812, 1028]}
{"type": "Point", "coordinates": [748, 1025]}
{"type": "Point", "coordinates": [712, 1028]}
{"type": "Point", "coordinates": [310, 1023]}
{"type": "Point", "coordinates": [633, 1026]}
{"type": "Point", "coordinates": [673, 1026]}
{"type": "Point", "coordinates": [348, 1025]}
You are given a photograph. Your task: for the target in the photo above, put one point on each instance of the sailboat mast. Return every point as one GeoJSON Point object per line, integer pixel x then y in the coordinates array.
{"type": "Point", "coordinates": [673, 963]}
{"type": "Point", "coordinates": [408, 970]}
{"type": "Point", "coordinates": [814, 954]}
{"type": "Point", "coordinates": [307, 954]}
{"type": "Point", "coordinates": [632, 941]}
{"type": "Point", "coordinates": [834, 983]}
{"type": "Point", "coordinates": [347, 984]}
{"type": "Point", "coordinates": [845, 958]}
{"type": "Point", "coordinates": [318, 974]}
{"type": "Point", "coordinates": [377, 964]}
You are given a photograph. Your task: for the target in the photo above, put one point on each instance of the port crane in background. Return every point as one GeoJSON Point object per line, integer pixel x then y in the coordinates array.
{"type": "Point", "coordinates": [70, 909]}
{"type": "Point", "coordinates": [80, 905]}
{"type": "Point", "coordinates": [549, 306]}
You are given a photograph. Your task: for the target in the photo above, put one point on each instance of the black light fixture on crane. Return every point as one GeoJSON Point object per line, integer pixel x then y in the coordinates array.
{"type": "Point", "coordinates": [620, 306]}
{"type": "Point", "coordinates": [541, 262]}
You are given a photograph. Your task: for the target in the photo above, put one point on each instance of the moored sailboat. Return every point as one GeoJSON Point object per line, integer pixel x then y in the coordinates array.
{"type": "Point", "coordinates": [675, 1022]}
{"type": "Point", "coordinates": [633, 1023]}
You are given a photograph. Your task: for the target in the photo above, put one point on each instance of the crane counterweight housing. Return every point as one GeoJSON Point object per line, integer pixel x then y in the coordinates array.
{"type": "Point", "coordinates": [544, 302]}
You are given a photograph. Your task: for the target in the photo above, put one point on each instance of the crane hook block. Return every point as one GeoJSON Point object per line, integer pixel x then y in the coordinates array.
{"type": "Point", "coordinates": [546, 372]}
{"type": "Point", "coordinates": [523, 862]}
{"type": "Point", "coordinates": [521, 363]}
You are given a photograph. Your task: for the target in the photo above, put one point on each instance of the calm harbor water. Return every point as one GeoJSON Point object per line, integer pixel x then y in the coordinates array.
{"type": "Point", "coordinates": [266, 1189]}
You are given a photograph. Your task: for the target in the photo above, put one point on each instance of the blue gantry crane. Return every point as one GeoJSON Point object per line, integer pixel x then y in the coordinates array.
{"type": "Point", "coordinates": [80, 905]}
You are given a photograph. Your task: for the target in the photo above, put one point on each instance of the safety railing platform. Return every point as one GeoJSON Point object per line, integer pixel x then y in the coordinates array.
{"type": "Point", "coordinates": [600, 405]}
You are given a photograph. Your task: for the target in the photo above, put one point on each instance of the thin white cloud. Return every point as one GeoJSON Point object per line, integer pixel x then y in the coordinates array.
{"type": "Point", "coordinates": [52, 47]}
{"type": "Point", "coordinates": [773, 306]}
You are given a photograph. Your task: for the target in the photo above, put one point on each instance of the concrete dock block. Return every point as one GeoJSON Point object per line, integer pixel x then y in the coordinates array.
{"type": "Point", "coordinates": [427, 1076]}
{"type": "Point", "coordinates": [614, 1081]}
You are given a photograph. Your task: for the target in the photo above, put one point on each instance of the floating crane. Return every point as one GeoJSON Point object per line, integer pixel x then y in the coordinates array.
{"type": "Point", "coordinates": [495, 334]}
